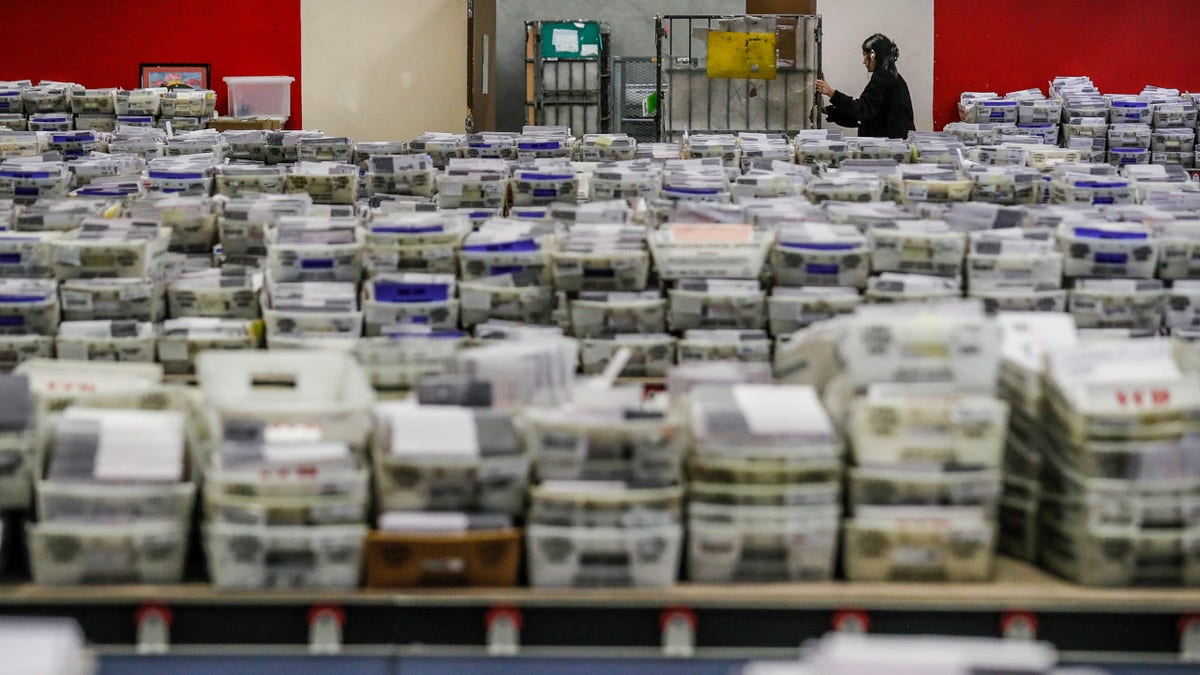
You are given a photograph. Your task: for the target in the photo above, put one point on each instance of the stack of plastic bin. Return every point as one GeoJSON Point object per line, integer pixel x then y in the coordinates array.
{"type": "Point", "coordinates": [436, 464]}
{"type": "Point", "coordinates": [927, 437]}
{"type": "Point", "coordinates": [1122, 470]}
{"type": "Point", "coordinates": [116, 501]}
{"type": "Point", "coordinates": [295, 409]}
{"type": "Point", "coordinates": [764, 484]}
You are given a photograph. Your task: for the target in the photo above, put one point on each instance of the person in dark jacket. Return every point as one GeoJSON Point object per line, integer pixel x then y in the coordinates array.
{"type": "Point", "coordinates": [884, 108]}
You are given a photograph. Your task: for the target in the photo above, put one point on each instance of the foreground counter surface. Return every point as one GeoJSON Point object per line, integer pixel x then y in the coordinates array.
{"type": "Point", "coordinates": [1145, 626]}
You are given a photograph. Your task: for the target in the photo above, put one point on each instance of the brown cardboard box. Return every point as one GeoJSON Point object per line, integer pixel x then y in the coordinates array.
{"type": "Point", "coordinates": [244, 123]}
{"type": "Point", "coordinates": [483, 558]}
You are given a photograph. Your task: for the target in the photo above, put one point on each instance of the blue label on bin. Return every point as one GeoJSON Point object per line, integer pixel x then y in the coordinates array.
{"type": "Point", "coordinates": [814, 246]}
{"type": "Point", "coordinates": [1111, 258]}
{"type": "Point", "coordinates": [436, 335]}
{"type": "Point", "coordinates": [391, 291]}
{"type": "Point", "coordinates": [316, 264]}
{"type": "Point", "coordinates": [693, 191]}
{"type": "Point", "coordinates": [541, 145]}
{"type": "Point", "coordinates": [508, 269]}
{"type": "Point", "coordinates": [530, 175]}
{"type": "Point", "coordinates": [415, 229]}
{"type": "Point", "coordinates": [1095, 233]}
{"type": "Point", "coordinates": [519, 246]}
{"type": "Point", "coordinates": [25, 174]}
{"type": "Point", "coordinates": [819, 268]}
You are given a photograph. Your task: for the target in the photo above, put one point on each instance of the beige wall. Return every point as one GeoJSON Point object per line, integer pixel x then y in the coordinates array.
{"type": "Point", "coordinates": [383, 69]}
{"type": "Point", "coordinates": [909, 23]}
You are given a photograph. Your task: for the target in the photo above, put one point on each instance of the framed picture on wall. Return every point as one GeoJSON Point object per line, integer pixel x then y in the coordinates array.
{"type": "Point", "coordinates": [174, 75]}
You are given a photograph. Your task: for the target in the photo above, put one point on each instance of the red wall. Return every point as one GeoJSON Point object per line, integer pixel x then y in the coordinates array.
{"type": "Point", "coordinates": [1006, 45]}
{"type": "Point", "coordinates": [99, 43]}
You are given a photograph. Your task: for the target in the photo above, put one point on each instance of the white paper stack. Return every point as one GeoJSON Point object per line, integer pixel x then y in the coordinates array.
{"type": "Point", "coordinates": [848, 654]}
{"type": "Point", "coordinates": [45, 646]}
{"type": "Point", "coordinates": [1028, 336]}
{"type": "Point", "coordinates": [531, 371]}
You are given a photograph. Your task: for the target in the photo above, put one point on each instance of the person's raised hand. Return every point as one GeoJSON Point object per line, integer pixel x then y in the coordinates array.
{"type": "Point", "coordinates": [822, 87]}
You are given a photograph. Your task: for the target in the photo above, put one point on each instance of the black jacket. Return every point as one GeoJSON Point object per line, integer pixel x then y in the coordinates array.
{"type": "Point", "coordinates": [883, 109]}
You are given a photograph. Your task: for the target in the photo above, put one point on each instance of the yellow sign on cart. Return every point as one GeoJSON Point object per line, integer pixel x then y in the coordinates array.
{"type": "Point", "coordinates": [741, 55]}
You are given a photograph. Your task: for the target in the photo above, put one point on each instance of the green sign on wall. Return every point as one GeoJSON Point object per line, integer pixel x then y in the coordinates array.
{"type": "Point", "coordinates": [570, 40]}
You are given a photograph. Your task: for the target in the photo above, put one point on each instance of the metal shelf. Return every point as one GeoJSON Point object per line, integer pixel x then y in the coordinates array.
{"type": "Point", "coordinates": [1084, 623]}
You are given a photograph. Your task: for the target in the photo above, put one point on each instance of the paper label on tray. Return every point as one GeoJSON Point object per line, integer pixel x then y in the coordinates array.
{"type": "Point", "coordinates": [135, 445]}
{"type": "Point", "coordinates": [502, 469]}
{"type": "Point", "coordinates": [286, 432]}
{"type": "Point", "coordinates": [441, 430]}
{"type": "Point", "coordinates": [393, 521]}
{"type": "Point", "coordinates": [705, 234]}
{"type": "Point", "coordinates": [172, 350]}
{"type": "Point", "coordinates": [767, 412]}
{"type": "Point", "coordinates": [565, 40]}
{"type": "Point", "coordinates": [911, 556]}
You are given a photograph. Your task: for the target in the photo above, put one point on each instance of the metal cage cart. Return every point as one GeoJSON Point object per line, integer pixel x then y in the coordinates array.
{"type": "Point", "coordinates": [635, 81]}
{"type": "Point", "coordinates": [568, 75]}
{"type": "Point", "coordinates": [737, 73]}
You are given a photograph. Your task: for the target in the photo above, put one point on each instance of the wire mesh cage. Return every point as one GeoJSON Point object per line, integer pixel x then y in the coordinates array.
{"type": "Point", "coordinates": [634, 83]}
{"type": "Point", "coordinates": [700, 57]}
{"type": "Point", "coordinates": [568, 75]}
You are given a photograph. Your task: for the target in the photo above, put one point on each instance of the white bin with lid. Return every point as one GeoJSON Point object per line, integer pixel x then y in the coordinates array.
{"type": "Point", "coordinates": [260, 96]}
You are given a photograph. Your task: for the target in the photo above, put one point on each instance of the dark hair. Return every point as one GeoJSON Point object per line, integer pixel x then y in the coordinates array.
{"type": "Point", "coordinates": [886, 51]}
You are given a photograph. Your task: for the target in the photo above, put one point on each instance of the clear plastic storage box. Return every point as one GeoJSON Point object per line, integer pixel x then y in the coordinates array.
{"type": "Point", "coordinates": [261, 96]}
